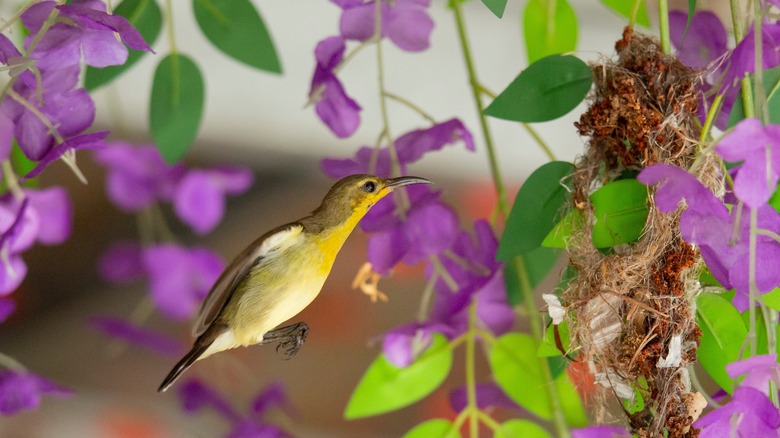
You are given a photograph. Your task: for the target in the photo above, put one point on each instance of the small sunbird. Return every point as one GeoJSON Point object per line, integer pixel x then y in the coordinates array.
{"type": "Point", "coordinates": [281, 273]}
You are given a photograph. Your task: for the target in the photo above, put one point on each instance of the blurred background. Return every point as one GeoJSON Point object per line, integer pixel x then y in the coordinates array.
{"type": "Point", "coordinates": [257, 119]}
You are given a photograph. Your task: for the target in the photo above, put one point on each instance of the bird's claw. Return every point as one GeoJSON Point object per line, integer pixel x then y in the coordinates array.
{"type": "Point", "coordinates": [290, 338]}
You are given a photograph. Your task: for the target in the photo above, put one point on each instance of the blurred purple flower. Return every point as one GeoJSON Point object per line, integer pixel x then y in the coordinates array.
{"type": "Point", "coordinates": [405, 22]}
{"type": "Point", "coordinates": [122, 262]}
{"type": "Point", "coordinates": [705, 41]}
{"type": "Point", "coordinates": [758, 371]}
{"type": "Point", "coordinates": [7, 308]}
{"type": "Point", "coordinates": [196, 396]}
{"type": "Point", "coordinates": [83, 29]}
{"type": "Point", "coordinates": [199, 199]}
{"type": "Point", "coordinates": [750, 413]}
{"type": "Point", "coordinates": [333, 106]}
{"type": "Point", "coordinates": [404, 344]}
{"type": "Point", "coordinates": [707, 222]}
{"type": "Point", "coordinates": [601, 431]}
{"type": "Point", "coordinates": [139, 336]}
{"type": "Point", "coordinates": [748, 142]}
{"type": "Point", "coordinates": [137, 175]}
{"type": "Point", "coordinates": [18, 235]}
{"type": "Point", "coordinates": [488, 395]}
{"type": "Point", "coordinates": [21, 391]}
{"type": "Point", "coordinates": [180, 277]}
{"type": "Point", "coordinates": [55, 214]}
{"type": "Point", "coordinates": [6, 135]}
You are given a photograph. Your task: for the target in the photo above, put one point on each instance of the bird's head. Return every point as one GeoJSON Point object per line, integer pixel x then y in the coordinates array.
{"type": "Point", "coordinates": [354, 195]}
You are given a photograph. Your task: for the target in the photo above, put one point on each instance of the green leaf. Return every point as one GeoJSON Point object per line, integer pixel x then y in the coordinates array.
{"type": "Point", "coordinates": [146, 17]}
{"type": "Point", "coordinates": [496, 7]}
{"type": "Point", "coordinates": [626, 7]}
{"type": "Point", "coordinates": [620, 208]}
{"type": "Point", "coordinates": [761, 338]}
{"type": "Point", "coordinates": [537, 207]}
{"type": "Point", "coordinates": [546, 90]}
{"type": "Point", "coordinates": [570, 402]}
{"type": "Point", "coordinates": [559, 235]}
{"type": "Point", "coordinates": [436, 428]}
{"type": "Point", "coordinates": [176, 105]}
{"type": "Point", "coordinates": [518, 372]}
{"type": "Point", "coordinates": [723, 333]}
{"type": "Point", "coordinates": [521, 429]}
{"type": "Point", "coordinates": [385, 387]}
{"type": "Point", "coordinates": [236, 28]}
{"type": "Point", "coordinates": [771, 81]}
{"type": "Point", "coordinates": [548, 348]}
{"type": "Point", "coordinates": [772, 299]}
{"type": "Point", "coordinates": [691, 11]}
{"type": "Point", "coordinates": [545, 35]}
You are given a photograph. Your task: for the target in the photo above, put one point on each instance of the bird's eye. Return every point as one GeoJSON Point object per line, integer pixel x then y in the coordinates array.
{"type": "Point", "coordinates": [369, 187]}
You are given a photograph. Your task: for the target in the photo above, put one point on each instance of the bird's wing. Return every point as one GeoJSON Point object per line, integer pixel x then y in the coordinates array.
{"type": "Point", "coordinates": [227, 282]}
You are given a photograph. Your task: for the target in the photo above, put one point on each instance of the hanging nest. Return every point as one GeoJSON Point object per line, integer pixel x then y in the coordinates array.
{"type": "Point", "coordinates": [632, 308]}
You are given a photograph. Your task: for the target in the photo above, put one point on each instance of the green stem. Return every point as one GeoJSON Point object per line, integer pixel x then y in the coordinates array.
{"type": "Point", "coordinates": [503, 203]}
{"type": "Point", "coordinates": [747, 85]}
{"type": "Point", "coordinates": [169, 25]}
{"type": "Point", "coordinates": [11, 181]}
{"type": "Point", "coordinates": [540, 141]}
{"type": "Point", "coordinates": [411, 105]}
{"type": "Point", "coordinates": [471, 379]}
{"type": "Point", "coordinates": [10, 363]}
{"type": "Point", "coordinates": [663, 22]}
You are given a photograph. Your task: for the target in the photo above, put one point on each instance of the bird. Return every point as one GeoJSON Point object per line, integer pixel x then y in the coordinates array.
{"type": "Point", "coordinates": [281, 273]}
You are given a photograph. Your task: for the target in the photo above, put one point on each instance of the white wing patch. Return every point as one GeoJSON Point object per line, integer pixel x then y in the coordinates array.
{"type": "Point", "coordinates": [275, 241]}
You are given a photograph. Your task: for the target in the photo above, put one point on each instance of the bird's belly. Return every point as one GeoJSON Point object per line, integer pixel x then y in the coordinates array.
{"type": "Point", "coordinates": [268, 302]}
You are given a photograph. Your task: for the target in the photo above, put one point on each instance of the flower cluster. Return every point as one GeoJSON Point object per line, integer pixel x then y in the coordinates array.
{"type": "Point", "coordinates": [420, 227]}
{"type": "Point", "coordinates": [750, 412]}
{"type": "Point", "coordinates": [197, 396]}
{"type": "Point", "coordinates": [404, 22]}
{"type": "Point", "coordinates": [723, 234]}
{"type": "Point", "coordinates": [138, 178]}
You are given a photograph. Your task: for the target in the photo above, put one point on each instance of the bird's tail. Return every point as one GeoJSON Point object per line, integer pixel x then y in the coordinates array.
{"type": "Point", "coordinates": [201, 345]}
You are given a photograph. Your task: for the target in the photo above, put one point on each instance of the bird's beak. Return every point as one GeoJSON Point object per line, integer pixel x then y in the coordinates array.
{"type": "Point", "coordinates": [394, 183]}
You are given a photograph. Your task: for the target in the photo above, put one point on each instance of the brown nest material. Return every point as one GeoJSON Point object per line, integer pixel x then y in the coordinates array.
{"type": "Point", "coordinates": [631, 309]}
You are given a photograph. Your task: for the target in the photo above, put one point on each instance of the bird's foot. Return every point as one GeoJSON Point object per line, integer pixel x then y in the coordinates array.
{"type": "Point", "coordinates": [290, 338]}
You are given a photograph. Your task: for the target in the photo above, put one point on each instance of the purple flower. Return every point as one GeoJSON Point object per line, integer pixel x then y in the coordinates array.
{"type": "Point", "coordinates": [405, 22]}
{"type": "Point", "coordinates": [705, 41]}
{"type": "Point", "coordinates": [600, 431]}
{"type": "Point", "coordinates": [18, 235]}
{"type": "Point", "coordinates": [55, 214]}
{"type": "Point", "coordinates": [758, 371]}
{"type": "Point", "coordinates": [6, 136]}
{"type": "Point", "coordinates": [749, 413]}
{"type": "Point", "coordinates": [138, 175]}
{"type": "Point", "coordinates": [404, 344]}
{"type": "Point", "coordinates": [180, 277]}
{"type": "Point", "coordinates": [87, 141]}
{"type": "Point", "coordinates": [409, 147]}
{"type": "Point", "coordinates": [708, 223]}
{"type": "Point", "coordinates": [84, 29]}
{"type": "Point", "coordinates": [196, 396]}
{"type": "Point", "coordinates": [70, 110]}
{"type": "Point", "coordinates": [142, 337]}
{"type": "Point", "coordinates": [7, 308]}
{"type": "Point", "coordinates": [199, 199]}
{"type": "Point", "coordinates": [742, 58]}
{"type": "Point", "coordinates": [333, 106]}
{"type": "Point", "coordinates": [748, 142]}
{"type": "Point", "coordinates": [21, 391]}
{"type": "Point", "coordinates": [488, 395]}
{"type": "Point", "coordinates": [122, 262]}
